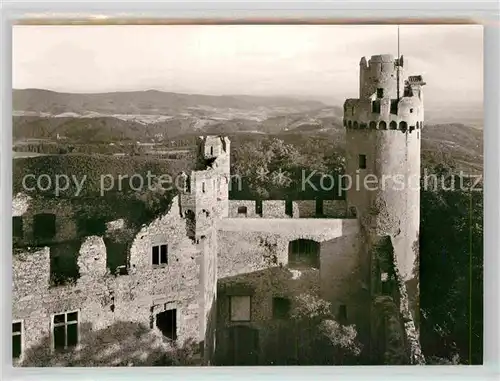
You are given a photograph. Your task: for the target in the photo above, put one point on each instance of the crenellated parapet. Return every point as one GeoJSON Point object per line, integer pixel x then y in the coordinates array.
{"type": "Point", "coordinates": [386, 101]}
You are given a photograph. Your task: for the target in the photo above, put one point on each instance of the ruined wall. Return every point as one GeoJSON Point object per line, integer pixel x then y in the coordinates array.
{"type": "Point", "coordinates": [27, 207]}
{"type": "Point", "coordinates": [307, 208]}
{"type": "Point", "coordinates": [20, 204]}
{"type": "Point", "coordinates": [389, 203]}
{"type": "Point", "coordinates": [255, 256]}
{"type": "Point", "coordinates": [208, 293]}
{"type": "Point", "coordinates": [103, 299]}
{"type": "Point", "coordinates": [383, 161]}
{"type": "Point", "coordinates": [263, 286]}
{"type": "Point", "coordinates": [204, 194]}
{"type": "Point", "coordinates": [247, 252]}
{"type": "Point", "coordinates": [269, 209]}
{"type": "Point", "coordinates": [385, 191]}
{"type": "Point", "coordinates": [379, 72]}
{"type": "Point", "coordinates": [394, 337]}
{"type": "Point", "coordinates": [175, 283]}
{"type": "Point", "coordinates": [187, 282]}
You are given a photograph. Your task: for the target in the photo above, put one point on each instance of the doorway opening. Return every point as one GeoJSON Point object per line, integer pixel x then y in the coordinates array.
{"type": "Point", "coordinates": [166, 322]}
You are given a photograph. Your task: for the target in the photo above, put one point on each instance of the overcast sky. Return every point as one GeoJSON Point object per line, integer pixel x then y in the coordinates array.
{"type": "Point", "coordinates": [311, 61]}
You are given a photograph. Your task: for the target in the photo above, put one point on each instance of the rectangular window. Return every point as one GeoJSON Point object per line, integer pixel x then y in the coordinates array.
{"type": "Point", "coordinates": [376, 107]}
{"type": "Point", "coordinates": [380, 93]}
{"type": "Point", "coordinates": [65, 330]}
{"type": "Point", "coordinates": [17, 227]}
{"type": "Point", "coordinates": [362, 161]}
{"type": "Point", "coordinates": [240, 308]}
{"type": "Point", "coordinates": [203, 187]}
{"type": "Point", "coordinates": [44, 225]}
{"type": "Point", "coordinates": [281, 308]}
{"type": "Point", "coordinates": [17, 339]}
{"type": "Point", "coordinates": [160, 255]}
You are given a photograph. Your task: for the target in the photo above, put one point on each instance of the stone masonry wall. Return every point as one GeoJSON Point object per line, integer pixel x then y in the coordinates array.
{"type": "Point", "coordinates": [345, 279]}
{"type": "Point", "coordinates": [335, 208]}
{"type": "Point", "coordinates": [264, 285]}
{"type": "Point", "coordinates": [27, 207]}
{"type": "Point", "coordinates": [277, 209]}
{"type": "Point", "coordinates": [103, 300]}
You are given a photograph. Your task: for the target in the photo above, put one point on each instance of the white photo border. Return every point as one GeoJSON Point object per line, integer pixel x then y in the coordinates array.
{"type": "Point", "coordinates": [481, 12]}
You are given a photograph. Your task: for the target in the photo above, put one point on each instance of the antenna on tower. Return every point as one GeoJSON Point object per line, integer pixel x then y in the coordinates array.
{"type": "Point", "coordinates": [398, 63]}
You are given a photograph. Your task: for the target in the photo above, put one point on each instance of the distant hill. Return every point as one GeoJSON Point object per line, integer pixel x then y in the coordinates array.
{"type": "Point", "coordinates": [147, 102]}
{"type": "Point", "coordinates": [467, 114]}
{"type": "Point", "coordinates": [153, 115]}
{"type": "Point", "coordinates": [77, 129]}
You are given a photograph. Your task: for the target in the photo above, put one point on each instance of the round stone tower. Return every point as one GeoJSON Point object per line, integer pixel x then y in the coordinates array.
{"type": "Point", "coordinates": [383, 132]}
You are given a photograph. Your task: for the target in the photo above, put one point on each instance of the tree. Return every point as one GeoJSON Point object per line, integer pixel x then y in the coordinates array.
{"type": "Point", "coordinates": [267, 167]}
{"type": "Point", "coordinates": [322, 339]}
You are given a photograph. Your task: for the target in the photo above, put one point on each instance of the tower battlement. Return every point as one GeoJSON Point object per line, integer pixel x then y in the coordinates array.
{"type": "Point", "coordinates": [386, 100]}
{"type": "Point", "coordinates": [210, 147]}
{"type": "Point", "coordinates": [378, 76]}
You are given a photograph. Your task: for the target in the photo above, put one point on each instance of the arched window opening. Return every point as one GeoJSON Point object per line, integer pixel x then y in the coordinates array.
{"type": "Point", "coordinates": [373, 125]}
{"type": "Point", "coordinates": [403, 126]}
{"type": "Point", "coordinates": [349, 124]}
{"type": "Point", "coordinates": [303, 253]}
{"type": "Point", "coordinates": [355, 125]}
{"type": "Point", "coordinates": [382, 125]}
{"type": "Point", "coordinates": [393, 125]}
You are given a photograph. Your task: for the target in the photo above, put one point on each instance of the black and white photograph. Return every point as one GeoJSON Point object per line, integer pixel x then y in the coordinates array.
{"type": "Point", "coordinates": [247, 194]}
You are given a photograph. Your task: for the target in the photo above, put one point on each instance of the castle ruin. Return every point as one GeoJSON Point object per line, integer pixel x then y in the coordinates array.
{"type": "Point", "coordinates": [219, 271]}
